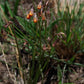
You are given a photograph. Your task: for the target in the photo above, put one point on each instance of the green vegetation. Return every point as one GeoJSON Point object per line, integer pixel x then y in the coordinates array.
{"type": "Point", "coordinates": [53, 43]}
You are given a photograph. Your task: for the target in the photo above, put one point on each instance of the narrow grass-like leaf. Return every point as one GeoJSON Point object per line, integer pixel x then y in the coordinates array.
{"type": "Point", "coordinates": [9, 9]}
{"type": "Point", "coordinates": [16, 4]}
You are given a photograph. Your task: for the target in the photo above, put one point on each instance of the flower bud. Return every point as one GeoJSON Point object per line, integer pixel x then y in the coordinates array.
{"type": "Point", "coordinates": [54, 44]}
{"type": "Point", "coordinates": [39, 5]}
{"type": "Point", "coordinates": [44, 47]}
{"type": "Point", "coordinates": [31, 12]}
{"type": "Point", "coordinates": [35, 18]}
{"type": "Point", "coordinates": [28, 16]}
{"type": "Point", "coordinates": [48, 38]}
{"type": "Point", "coordinates": [43, 17]}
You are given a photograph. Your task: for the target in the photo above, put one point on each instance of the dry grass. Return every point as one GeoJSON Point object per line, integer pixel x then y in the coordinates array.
{"type": "Point", "coordinates": [63, 4]}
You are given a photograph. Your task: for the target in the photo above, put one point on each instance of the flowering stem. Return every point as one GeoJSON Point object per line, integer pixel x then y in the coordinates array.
{"type": "Point", "coordinates": [40, 41]}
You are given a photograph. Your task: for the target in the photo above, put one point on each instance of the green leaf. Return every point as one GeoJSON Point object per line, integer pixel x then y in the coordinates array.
{"type": "Point", "coordinates": [69, 37]}
{"type": "Point", "coordinates": [59, 72]}
{"type": "Point", "coordinates": [16, 4]}
{"type": "Point", "coordinates": [29, 27]}
{"type": "Point", "coordinates": [71, 60]}
{"type": "Point", "coordinates": [53, 23]}
{"type": "Point", "coordinates": [9, 9]}
{"type": "Point", "coordinates": [78, 64]}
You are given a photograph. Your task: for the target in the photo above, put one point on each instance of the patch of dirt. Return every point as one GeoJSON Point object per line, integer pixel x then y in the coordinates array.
{"type": "Point", "coordinates": [78, 76]}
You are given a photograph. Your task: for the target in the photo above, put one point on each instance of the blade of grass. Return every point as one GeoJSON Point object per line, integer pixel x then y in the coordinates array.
{"type": "Point", "coordinates": [9, 9]}
{"type": "Point", "coordinates": [16, 4]}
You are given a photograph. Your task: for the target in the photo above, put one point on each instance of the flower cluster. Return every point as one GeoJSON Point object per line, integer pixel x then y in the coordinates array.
{"type": "Point", "coordinates": [34, 15]}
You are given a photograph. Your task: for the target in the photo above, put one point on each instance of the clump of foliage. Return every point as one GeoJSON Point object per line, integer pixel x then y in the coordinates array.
{"type": "Point", "coordinates": [52, 42]}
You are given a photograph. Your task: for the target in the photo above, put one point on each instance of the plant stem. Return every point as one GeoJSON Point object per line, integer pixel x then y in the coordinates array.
{"type": "Point", "coordinates": [18, 57]}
